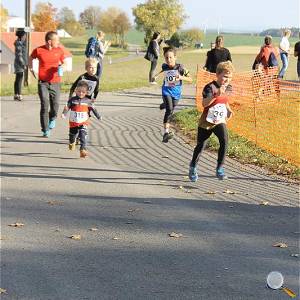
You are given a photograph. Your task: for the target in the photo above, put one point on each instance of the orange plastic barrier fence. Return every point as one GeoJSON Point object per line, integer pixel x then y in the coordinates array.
{"type": "Point", "coordinates": [266, 110]}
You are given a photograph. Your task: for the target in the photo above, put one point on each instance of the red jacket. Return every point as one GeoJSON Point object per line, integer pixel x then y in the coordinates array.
{"type": "Point", "coordinates": [264, 54]}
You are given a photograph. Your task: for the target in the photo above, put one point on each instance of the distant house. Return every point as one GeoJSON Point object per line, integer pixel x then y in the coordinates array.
{"type": "Point", "coordinates": [37, 39]}
{"type": "Point", "coordinates": [13, 23]}
{"type": "Point", "coordinates": [62, 33]}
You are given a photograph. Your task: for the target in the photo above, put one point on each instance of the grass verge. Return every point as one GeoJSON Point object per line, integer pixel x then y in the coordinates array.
{"type": "Point", "coordinates": [239, 148]}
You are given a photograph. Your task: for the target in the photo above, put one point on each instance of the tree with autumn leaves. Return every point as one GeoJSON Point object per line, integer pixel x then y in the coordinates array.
{"type": "Point", "coordinates": [44, 17]}
{"type": "Point", "coordinates": [164, 16]}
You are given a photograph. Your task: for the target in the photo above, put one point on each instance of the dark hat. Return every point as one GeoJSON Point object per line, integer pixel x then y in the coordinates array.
{"type": "Point", "coordinates": [20, 32]}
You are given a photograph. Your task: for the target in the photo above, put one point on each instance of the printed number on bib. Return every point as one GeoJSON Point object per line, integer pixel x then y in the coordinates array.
{"type": "Point", "coordinates": [217, 114]}
{"type": "Point", "coordinates": [78, 116]}
{"type": "Point", "coordinates": [170, 78]}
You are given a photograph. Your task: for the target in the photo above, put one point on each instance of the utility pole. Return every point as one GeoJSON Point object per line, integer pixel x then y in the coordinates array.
{"type": "Point", "coordinates": [27, 29]}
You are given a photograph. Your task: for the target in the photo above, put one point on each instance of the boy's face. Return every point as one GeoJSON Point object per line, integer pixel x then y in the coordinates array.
{"type": "Point", "coordinates": [91, 69]}
{"type": "Point", "coordinates": [170, 59]}
{"type": "Point", "coordinates": [224, 78]}
{"type": "Point", "coordinates": [81, 91]}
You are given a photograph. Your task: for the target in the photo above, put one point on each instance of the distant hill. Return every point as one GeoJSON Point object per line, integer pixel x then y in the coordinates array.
{"type": "Point", "coordinates": [278, 32]}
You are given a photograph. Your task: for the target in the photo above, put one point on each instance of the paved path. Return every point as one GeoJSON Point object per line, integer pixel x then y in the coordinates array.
{"type": "Point", "coordinates": [134, 190]}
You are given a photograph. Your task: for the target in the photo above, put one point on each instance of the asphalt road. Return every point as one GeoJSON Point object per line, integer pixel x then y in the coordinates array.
{"type": "Point", "coordinates": [134, 190]}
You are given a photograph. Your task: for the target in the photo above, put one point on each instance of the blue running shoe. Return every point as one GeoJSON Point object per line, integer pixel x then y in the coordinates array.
{"type": "Point", "coordinates": [46, 133]}
{"type": "Point", "coordinates": [220, 173]}
{"type": "Point", "coordinates": [52, 124]}
{"type": "Point", "coordinates": [193, 175]}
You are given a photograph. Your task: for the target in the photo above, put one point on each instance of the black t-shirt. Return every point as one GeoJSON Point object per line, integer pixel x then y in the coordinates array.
{"type": "Point", "coordinates": [93, 83]}
{"type": "Point", "coordinates": [215, 56]}
{"type": "Point", "coordinates": [297, 48]}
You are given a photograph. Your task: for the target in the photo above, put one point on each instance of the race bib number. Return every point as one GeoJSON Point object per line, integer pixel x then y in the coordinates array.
{"type": "Point", "coordinates": [217, 114]}
{"type": "Point", "coordinates": [170, 78]}
{"type": "Point", "coordinates": [92, 86]}
{"type": "Point", "coordinates": [78, 116]}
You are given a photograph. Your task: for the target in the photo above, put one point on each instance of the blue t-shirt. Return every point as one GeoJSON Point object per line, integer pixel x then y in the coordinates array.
{"type": "Point", "coordinates": [171, 86]}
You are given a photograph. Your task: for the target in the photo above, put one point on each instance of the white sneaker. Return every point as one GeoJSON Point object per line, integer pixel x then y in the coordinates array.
{"type": "Point", "coordinates": [153, 82]}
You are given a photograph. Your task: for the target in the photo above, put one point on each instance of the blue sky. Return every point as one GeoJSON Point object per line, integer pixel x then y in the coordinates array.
{"type": "Point", "coordinates": [243, 15]}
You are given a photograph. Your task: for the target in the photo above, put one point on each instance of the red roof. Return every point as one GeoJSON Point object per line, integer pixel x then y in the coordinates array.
{"type": "Point", "coordinates": [36, 39]}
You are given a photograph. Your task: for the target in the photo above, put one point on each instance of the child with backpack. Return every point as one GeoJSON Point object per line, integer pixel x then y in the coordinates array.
{"type": "Point", "coordinates": [80, 108]}
{"type": "Point", "coordinates": [174, 74]}
{"type": "Point", "coordinates": [97, 48]}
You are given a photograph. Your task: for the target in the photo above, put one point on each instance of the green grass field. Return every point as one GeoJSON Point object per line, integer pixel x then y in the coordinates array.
{"type": "Point", "coordinates": [136, 72]}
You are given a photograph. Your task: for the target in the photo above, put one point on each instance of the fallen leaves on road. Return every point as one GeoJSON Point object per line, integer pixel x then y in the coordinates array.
{"type": "Point", "coordinates": [75, 237]}
{"type": "Point", "coordinates": [133, 209]}
{"type": "Point", "coordinates": [264, 203]}
{"type": "Point", "coordinates": [93, 229]}
{"type": "Point", "coordinates": [280, 245]}
{"type": "Point", "coordinates": [54, 202]}
{"type": "Point", "coordinates": [229, 192]}
{"type": "Point", "coordinates": [175, 235]}
{"type": "Point", "coordinates": [17, 224]}
{"type": "Point", "coordinates": [210, 192]}
{"type": "Point", "coordinates": [3, 291]}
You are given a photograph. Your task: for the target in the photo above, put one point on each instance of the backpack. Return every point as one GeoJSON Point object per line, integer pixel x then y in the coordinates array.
{"type": "Point", "coordinates": [272, 62]}
{"type": "Point", "coordinates": [90, 50]}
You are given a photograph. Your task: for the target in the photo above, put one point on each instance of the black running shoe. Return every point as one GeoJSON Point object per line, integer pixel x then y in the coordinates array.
{"type": "Point", "coordinates": [162, 106]}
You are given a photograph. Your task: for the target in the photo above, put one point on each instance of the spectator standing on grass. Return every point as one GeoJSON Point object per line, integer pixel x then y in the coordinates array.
{"type": "Point", "coordinates": [152, 55]}
{"type": "Point", "coordinates": [96, 48]}
{"type": "Point", "coordinates": [267, 55]}
{"type": "Point", "coordinates": [51, 58]}
{"type": "Point", "coordinates": [216, 55]}
{"type": "Point", "coordinates": [20, 63]}
{"type": "Point", "coordinates": [284, 48]}
{"type": "Point", "coordinates": [297, 54]}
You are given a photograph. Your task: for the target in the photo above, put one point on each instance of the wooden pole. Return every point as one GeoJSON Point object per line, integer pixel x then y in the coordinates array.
{"type": "Point", "coordinates": [27, 29]}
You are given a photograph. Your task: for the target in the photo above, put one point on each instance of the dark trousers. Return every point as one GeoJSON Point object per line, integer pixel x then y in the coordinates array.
{"type": "Point", "coordinates": [18, 83]}
{"type": "Point", "coordinates": [170, 104]}
{"type": "Point", "coordinates": [203, 134]}
{"type": "Point", "coordinates": [152, 69]}
{"type": "Point", "coordinates": [49, 96]}
{"type": "Point", "coordinates": [99, 68]}
{"type": "Point", "coordinates": [81, 133]}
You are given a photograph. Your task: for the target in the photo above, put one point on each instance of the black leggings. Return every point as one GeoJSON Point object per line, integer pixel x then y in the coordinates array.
{"type": "Point", "coordinates": [170, 104]}
{"type": "Point", "coordinates": [81, 133]}
{"type": "Point", "coordinates": [18, 83]}
{"type": "Point", "coordinates": [152, 69]}
{"type": "Point", "coordinates": [221, 132]}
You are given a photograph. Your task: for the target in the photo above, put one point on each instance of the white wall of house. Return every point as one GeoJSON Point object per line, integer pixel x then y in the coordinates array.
{"type": "Point", "coordinates": [14, 22]}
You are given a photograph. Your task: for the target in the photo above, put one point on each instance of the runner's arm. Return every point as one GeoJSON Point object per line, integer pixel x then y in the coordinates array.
{"type": "Point", "coordinates": [296, 51]}
{"type": "Point", "coordinates": [96, 91]}
{"type": "Point", "coordinates": [95, 112]}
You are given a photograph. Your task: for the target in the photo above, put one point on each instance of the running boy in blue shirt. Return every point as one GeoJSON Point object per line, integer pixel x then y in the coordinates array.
{"type": "Point", "coordinates": [174, 74]}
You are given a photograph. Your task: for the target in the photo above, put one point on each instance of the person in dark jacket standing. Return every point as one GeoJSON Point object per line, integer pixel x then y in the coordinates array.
{"type": "Point", "coordinates": [217, 55]}
{"type": "Point", "coordinates": [152, 55]}
{"type": "Point", "coordinates": [20, 63]}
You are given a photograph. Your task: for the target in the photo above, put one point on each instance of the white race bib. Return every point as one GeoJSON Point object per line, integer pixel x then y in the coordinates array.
{"type": "Point", "coordinates": [78, 116]}
{"type": "Point", "coordinates": [217, 114]}
{"type": "Point", "coordinates": [92, 86]}
{"type": "Point", "coordinates": [170, 78]}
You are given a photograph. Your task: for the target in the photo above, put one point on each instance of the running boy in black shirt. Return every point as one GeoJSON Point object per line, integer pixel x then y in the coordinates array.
{"type": "Point", "coordinates": [91, 79]}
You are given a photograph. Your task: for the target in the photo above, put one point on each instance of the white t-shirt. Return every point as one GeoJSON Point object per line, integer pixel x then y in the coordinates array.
{"type": "Point", "coordinates": [284, 45]}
